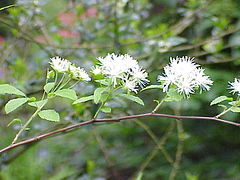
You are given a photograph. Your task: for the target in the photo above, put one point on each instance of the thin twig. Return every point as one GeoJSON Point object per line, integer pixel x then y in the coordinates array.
{"type": "Point", "coordinates": [103, 149]}
{"type": "Point", "coordinates": [113, 120]}
{"type": "Point", "coordinates": [155, 140]}
{"type": "Point", "coordinates": [153, 153]}
{"type": "Point", "coordinates": [179, 152]}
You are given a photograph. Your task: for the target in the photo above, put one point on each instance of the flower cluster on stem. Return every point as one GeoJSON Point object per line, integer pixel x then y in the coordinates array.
{"type": "Point", "coordinates": [123, 71]}
{"type": "Point", "coordinates": [235, 86]}
{"type": "Point", "coordinates": [61, 65]}
{"type": "Point", "coordinates": [185, 75]}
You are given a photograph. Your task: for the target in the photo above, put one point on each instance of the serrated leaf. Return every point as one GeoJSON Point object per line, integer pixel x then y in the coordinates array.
{"type": "Point", "coordinates": [67, 93]}
{"type": "Point", "coordinates": [97, 94]}
{"type": "Point", "coordinates": [173, 95]}
{"type": "Point", "coordinates": [106, 109]}
{"type": "Point", "coordinates": [8, 89]}
{"type": "Point", "coordinates": [218, 100]}
{"type": "Point", "coordinates": [235, 109]}
{"type": "Point", "coordinates": [15, 121]}
{"type": "Point", "coordinates": [83, 99]}
{"type": "Point", "coordinates": [38, 104]}
{"type": "Point", "coordinates": [133, 98]}
{"type": "Point", "coordinates": [152, 87]}
{"type": "Point", "coordinates": [48, 87]}
{"type": "Point", "coordinates": [14, 104]}
{"type": "Point", "coordinates": [49, 115]}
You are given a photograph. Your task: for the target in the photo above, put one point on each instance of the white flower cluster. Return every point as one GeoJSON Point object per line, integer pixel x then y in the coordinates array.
{"type": "Point", "coordinates": [185, 75]}
{"type": "Point", "coordinates": [235, 86]}
{"type": "Point", "coordinates": [122, 70]}
{"type": "Point", "coordinates": [64, 66]}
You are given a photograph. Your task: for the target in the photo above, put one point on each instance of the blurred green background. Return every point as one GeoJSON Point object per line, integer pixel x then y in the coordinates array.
{"type": "Point", "coordinates": [151, 31]}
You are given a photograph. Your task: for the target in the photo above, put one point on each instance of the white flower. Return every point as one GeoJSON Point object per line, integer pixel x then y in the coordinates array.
{"type": "Point", "coordinates": [123, 70]}
{"type": "Point", "coordinates": [114, 66]}
{"type": "Point", "coordinates": [235, 86]}
{"type": "Point", "coordinates": [79, 73]}
{"type": "Point", "coordinates": [185, 75]}
{"type": "Point", "coordinates": [96, 70]}
{"type": "Point", "coordinates": [59, 64]}
{"type": "Point", "coordinates": [139, 75]}
{"type": "Point", "coordinates": [130, 85]}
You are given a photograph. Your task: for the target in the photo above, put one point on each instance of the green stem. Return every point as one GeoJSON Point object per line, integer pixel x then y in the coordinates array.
{"type": "Point", "coordinates": [44, 93]}
{"type": "Point", "coordinates": [227, 110]}
{"type": "Point", "coordinates": [224, 112]}
{"type": "Point", "coordinates": [65, 83]}
{"type": "Point", "coordinates": [56, 78]}
{"type": "Point", "coordinates": [74, 84]}
{"type": "Point", "coordinates": [28, 122]}
{"type": "Point", "coordinates": [100, 107]}
{"type": "Point", "coordinates": [59, 83]}
{"type": "Point", "coordinates": [159, 104]}
{"type": "Point", "coordinates": [103, 103]}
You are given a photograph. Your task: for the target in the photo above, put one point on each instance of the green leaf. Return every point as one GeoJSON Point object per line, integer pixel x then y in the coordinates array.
{"type": "Point", "coordinates": [190, 176]}
{"type": "Point", "coordinates": [83, 99]}
{"type": "Point", "coordinates": [14, 104]}
{"type": "Point", "coordinates": [66, 93]}
{"type": "Point", "coordinates": [152, 87]}
{"type": "Point", "coordinates": [90, 167]}
{"type": "Point", "coordinates": [104, 97]}
{"type": "Point", "coordinates": [32, 99]}
{"type": "Point", "coordinates": [97, 94]}
{"type": "Point", "coordinates": [38, 104]}
{"type": "Point", "coordinates": [50, 115]}
{"type": "Point", "coordinates": [173, 95]}
{"type": "Point", "coordinates": [50, 74]}
{"type": "Point", "coordinates": [48, 87]}
{"type": "Point", "coordinates": [235, 109]}
{"type": "Point", "coordinates": [15, 121]}
{"type": "Point", "coordinates": [133, 98]}
{"type": "Point", "coordinates": [8, 89]}
{"type": "Point", "coordinates": [106, 109]}
{"type": "Point", "coordinates": [218, 100]}
{"type": "Point", "coordinates": [213, 46]}
{"type": "Point", "coordinates": [223, 106]}
{"type": "Point", "coordinates": [104, 82]}
{"type": "Point", "coordinates": [235, 103]}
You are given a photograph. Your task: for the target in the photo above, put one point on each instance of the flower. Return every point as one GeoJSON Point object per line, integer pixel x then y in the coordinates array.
{"type": "Point", "coordinates": [96, 70]}
{"type": "Point", "coordinates": [123, 70]}
{"type": "Point", "coordinates": [78, 73]}
{"type": "Point", "coordinates": [139, 75]}
{"type": "Point", "coordinates": [185, 75]}
{"type": "Point", "coordinates": [235, 86]}
{"type": "Point", "coordinates": [130, 85]}
{"type": "Point", "coordinates": [59, 64]}
{"type": "Point", "coordinates": [114, 66]}
{"type": "Point", "coordinates": [64, 66]}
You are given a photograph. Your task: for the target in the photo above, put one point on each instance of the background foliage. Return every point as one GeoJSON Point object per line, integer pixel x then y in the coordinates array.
{"type": "Point", "coordinates": [149, 30]}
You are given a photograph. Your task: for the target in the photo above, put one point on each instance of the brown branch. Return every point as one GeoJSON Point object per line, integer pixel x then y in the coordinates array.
{"type": "Point", "coordinates": [112, 120]}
